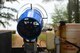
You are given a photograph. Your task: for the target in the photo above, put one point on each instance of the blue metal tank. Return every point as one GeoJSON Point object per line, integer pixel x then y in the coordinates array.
{"type": "Point", "coordinates": [30, 24]}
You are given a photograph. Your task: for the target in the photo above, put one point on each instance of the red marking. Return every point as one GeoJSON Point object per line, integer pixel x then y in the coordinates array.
{"type": "Point", "coordinates": [66, 48]}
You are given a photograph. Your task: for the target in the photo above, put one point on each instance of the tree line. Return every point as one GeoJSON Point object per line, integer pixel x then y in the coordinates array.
{"type": "Point", "coordinates": [71, 14]}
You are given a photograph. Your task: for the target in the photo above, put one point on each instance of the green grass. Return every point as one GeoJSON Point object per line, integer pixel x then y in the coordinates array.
{"type": "Point", "coordinates": [13, 37]}
{"type": "Point", "coordinates": [42, 37]}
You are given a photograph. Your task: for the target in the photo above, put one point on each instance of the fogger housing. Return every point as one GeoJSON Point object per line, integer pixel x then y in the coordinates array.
{"type": "Point", "coordinates": [30, 24]}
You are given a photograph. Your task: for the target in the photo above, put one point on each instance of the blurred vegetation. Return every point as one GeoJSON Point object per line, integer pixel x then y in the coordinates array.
{"type": "Point", "coordinates": [60, 14]}
{"type": "Point", "coordinates": [73, 11]}
{"type": "Point", "coordinates": [6, 15]}
{"type": "Point", "coordinates": [70, 14]}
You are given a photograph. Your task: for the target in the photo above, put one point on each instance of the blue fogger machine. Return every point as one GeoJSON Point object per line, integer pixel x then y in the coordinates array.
{"type": "Point", "coordinates": [30, 23]}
